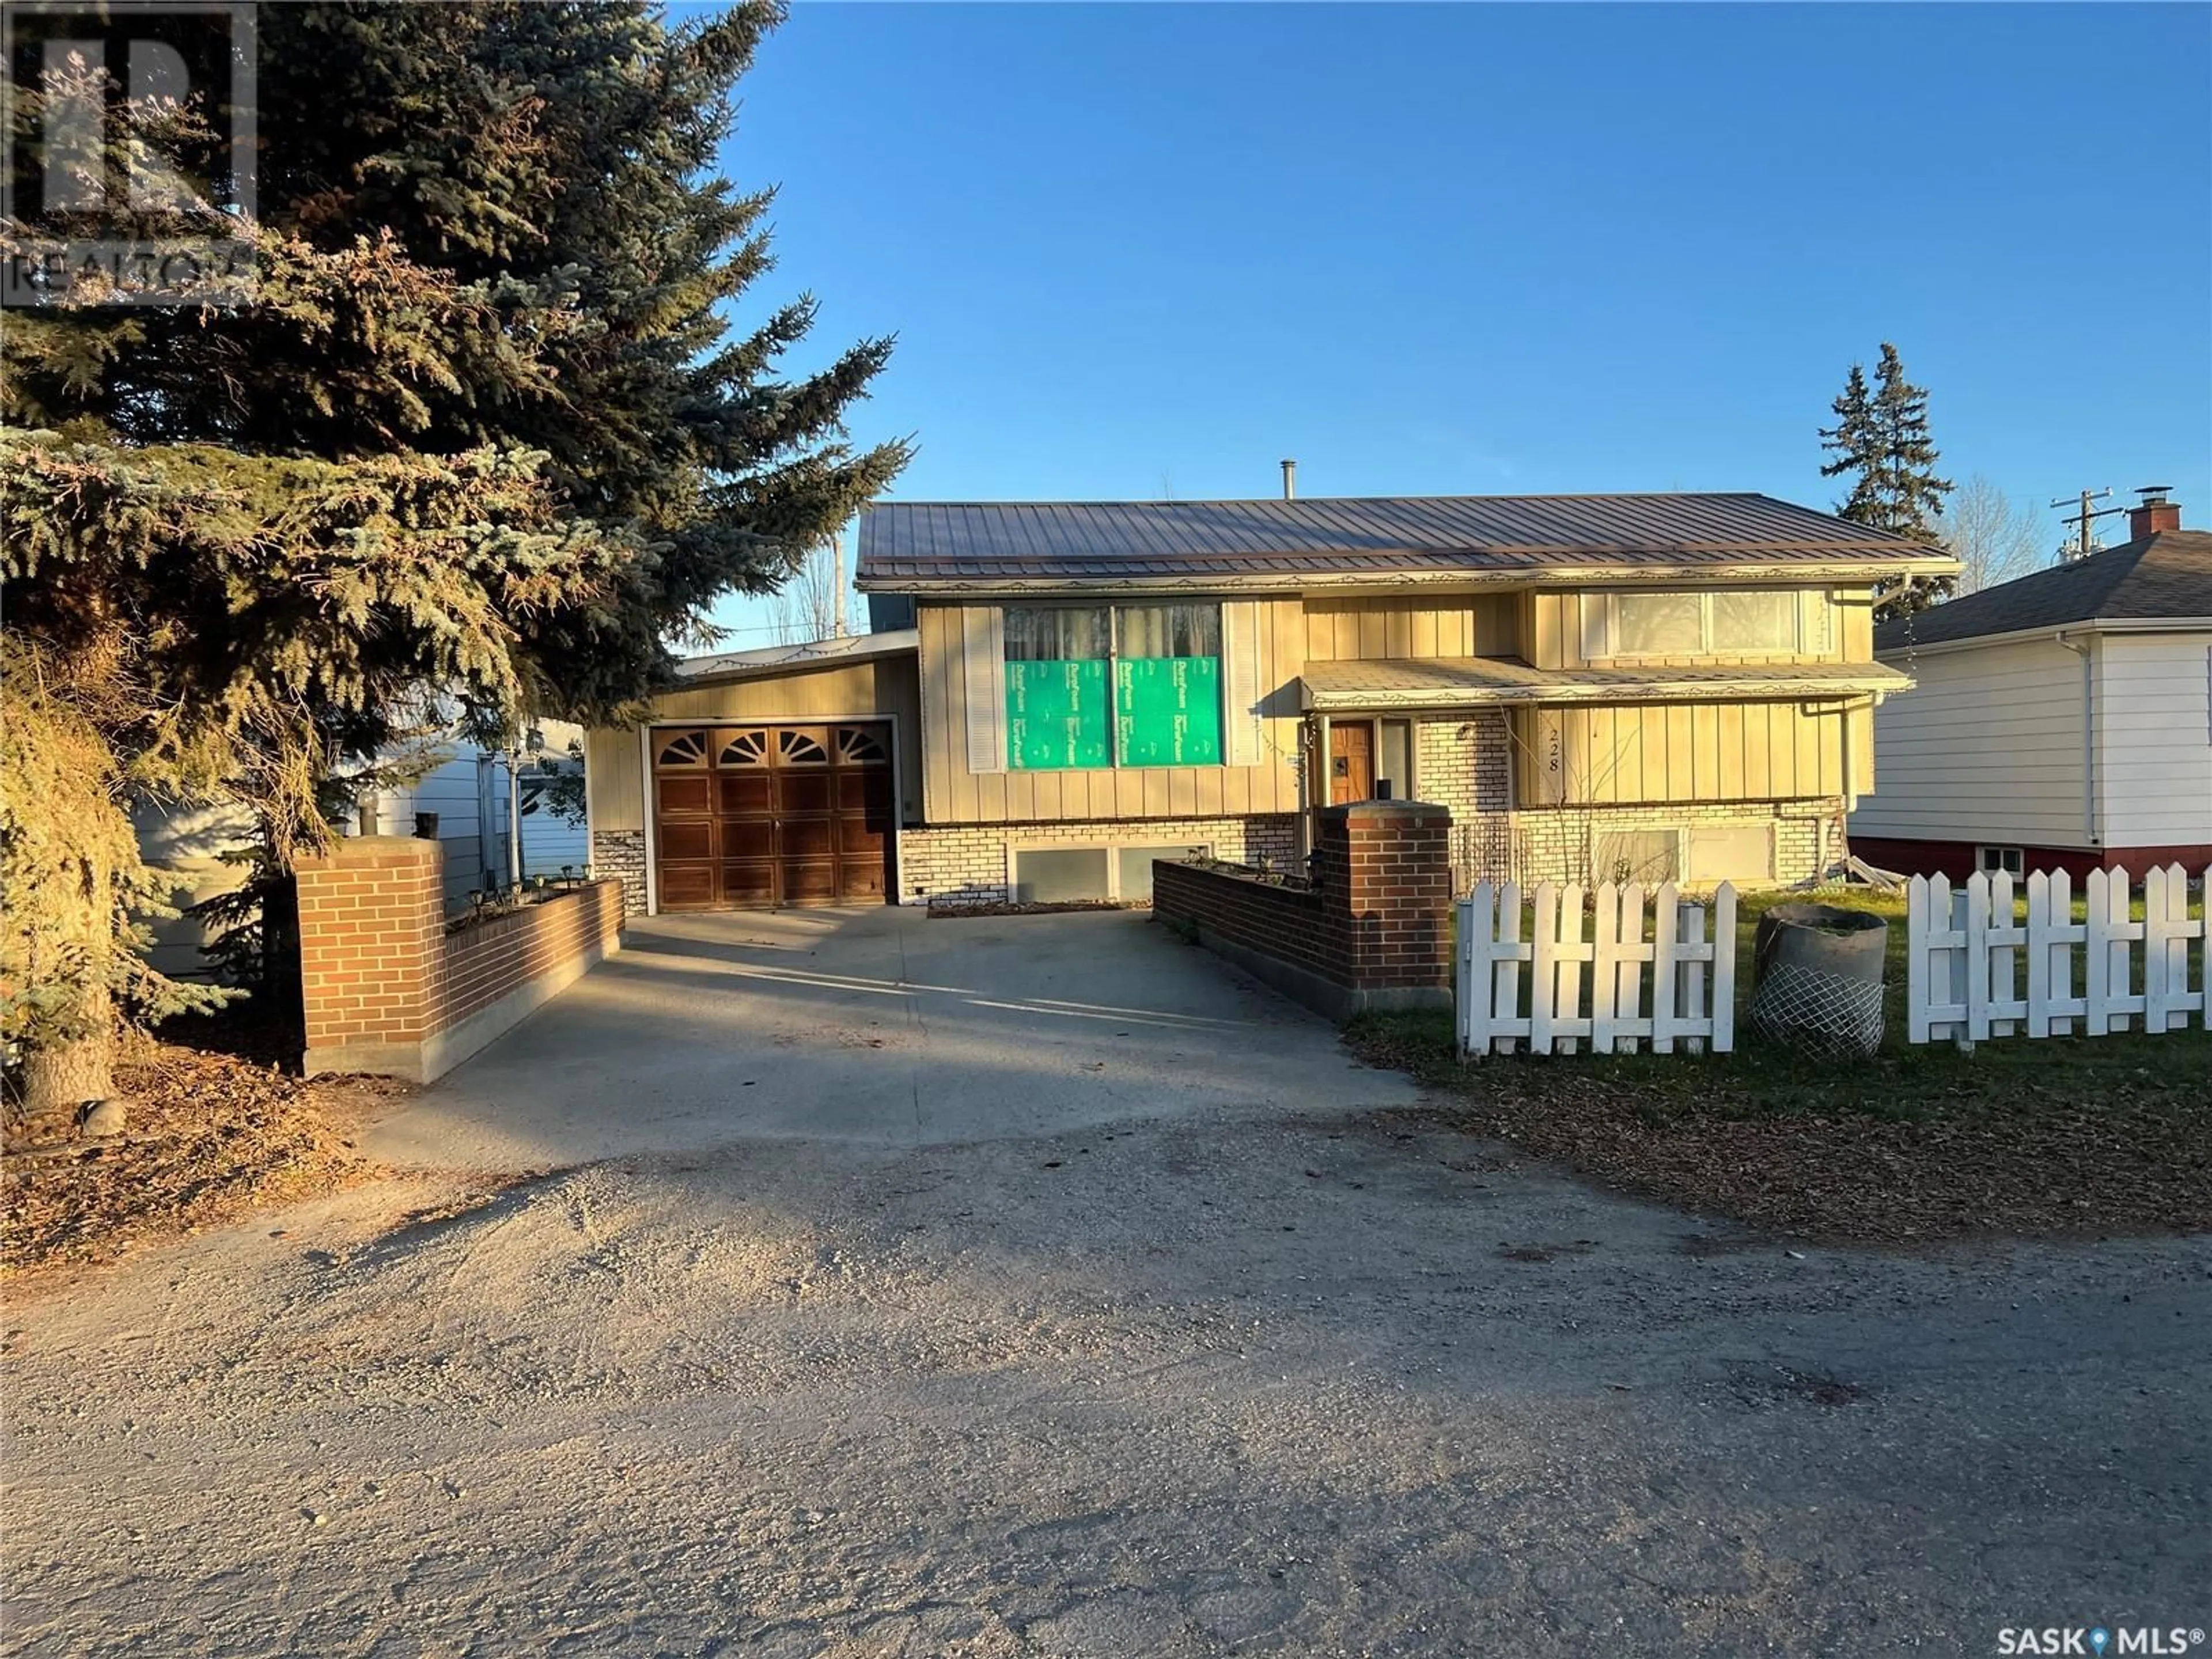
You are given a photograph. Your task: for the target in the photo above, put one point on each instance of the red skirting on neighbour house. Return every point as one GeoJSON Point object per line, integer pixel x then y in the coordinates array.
{"type": "Point", "coordinates": [1959, 858]}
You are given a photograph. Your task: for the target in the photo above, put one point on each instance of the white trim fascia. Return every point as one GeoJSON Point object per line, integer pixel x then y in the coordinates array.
{"type": "Point", "coordinates": [900, 643]}
{"type": "Point", "coordinates": [1345, 703]}
{"type": "Point", "coordinates": [2051, 631]}
{"type": "Point", "coordinates": [1645, 575]}
{"type": "Point", "coordinates": [652, 829]}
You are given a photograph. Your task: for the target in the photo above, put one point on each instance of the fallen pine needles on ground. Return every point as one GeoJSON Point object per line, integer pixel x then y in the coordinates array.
{"type": "Point", "coordinates": [209, 1137]}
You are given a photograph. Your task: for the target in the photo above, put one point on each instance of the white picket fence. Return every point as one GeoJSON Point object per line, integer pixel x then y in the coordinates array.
{"type": "Point", "coordinates": [1967, 949]}
{"type": "Point", "coordinates": [1671, 982]}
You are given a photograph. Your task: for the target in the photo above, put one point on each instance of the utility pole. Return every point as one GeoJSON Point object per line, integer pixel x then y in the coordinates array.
{"type": "Point", "coordinates": [839, 626]}
{"type": "Point", "coordinates": [2083, 545]}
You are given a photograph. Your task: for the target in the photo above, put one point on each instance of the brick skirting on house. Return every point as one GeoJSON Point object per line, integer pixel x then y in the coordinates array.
{"type": "Point", "coordinates": [387, 989]}
{"type": "Point", "coordinates": [1562, 844]}
{"type": "Point", "coordinates": [1372, 933]}
{"type": "Point", "coordinates": [956, 865]}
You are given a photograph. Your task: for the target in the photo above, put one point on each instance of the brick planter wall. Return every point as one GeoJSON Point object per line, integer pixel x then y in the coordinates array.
{"type": "Point", "coordinates": [387, 989]}
{"type": "Point", "coordinates": [1374, 933]}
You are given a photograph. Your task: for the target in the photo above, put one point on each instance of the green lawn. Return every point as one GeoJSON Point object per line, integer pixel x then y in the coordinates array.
{"type": "Point", "coordinates": [2049, 1134]}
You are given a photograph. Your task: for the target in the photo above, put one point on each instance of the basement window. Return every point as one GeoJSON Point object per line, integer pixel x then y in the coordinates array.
{"type": "Point", "coordinates": [1072, 875]}
{"type": "Point", "coordinates": [1645, 855]}
{"type": "Point", "coordinates": [1993, 860]}
{"type": "Point", "coordinates": [1133, 868]}
{"type": "Point", "coordinates": [1060, 875]}
{"type": "Point", "coordinates": [1729, 852]}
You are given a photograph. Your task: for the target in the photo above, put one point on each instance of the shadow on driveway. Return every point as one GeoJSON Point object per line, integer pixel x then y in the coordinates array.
{"type": "Point", "coordinates": [881, 1026]}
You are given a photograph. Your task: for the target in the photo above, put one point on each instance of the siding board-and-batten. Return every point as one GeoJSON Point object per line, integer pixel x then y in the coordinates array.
{"type": "Point", "coordinates": [879, 690]}
{"type": "Point", "coordinates": [960, 653]}
{"type": "Point", "coordinates": [1636, 754]}
{"type": "Point", "coordinates": [1623, 755]}
{"type": "Point", "coordinates": [1347, 627]}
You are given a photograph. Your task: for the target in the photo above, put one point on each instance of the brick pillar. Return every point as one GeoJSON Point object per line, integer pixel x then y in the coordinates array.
{"type": "Point", "coordinates": [1385, 873]}
{"type": "Point", "coordinates": [371, 924]}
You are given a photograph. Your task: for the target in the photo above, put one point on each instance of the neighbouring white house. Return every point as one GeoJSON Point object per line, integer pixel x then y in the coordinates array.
{"type": "Point", "coordinates": [470, 792]}
{"type": "Point", "coordinates": [471, 795]}
{"type": "Point", "coordinates": [2060, 721]}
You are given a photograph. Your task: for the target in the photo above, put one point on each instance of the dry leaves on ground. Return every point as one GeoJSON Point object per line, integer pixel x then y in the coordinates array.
{"type": "Point", "coordinates": [209, 1137]}
{"type": "Point", "coordinates": [2135, 1158]}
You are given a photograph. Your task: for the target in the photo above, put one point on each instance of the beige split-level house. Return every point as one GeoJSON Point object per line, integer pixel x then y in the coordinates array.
{"type": "Point", "coordinates": [1596, 685]}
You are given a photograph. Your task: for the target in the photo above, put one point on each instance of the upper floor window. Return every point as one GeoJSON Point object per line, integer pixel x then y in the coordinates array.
{"type": "Point", "coordinates": [1058, 659]}
{"type": "Point", "coordinates": [1100, 685]}
{"type": "Point", "coordinates": [1716, 623]}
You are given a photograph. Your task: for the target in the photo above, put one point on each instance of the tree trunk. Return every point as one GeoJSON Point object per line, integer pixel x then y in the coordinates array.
{"type": "Point", "coordinates": [62, 1076]}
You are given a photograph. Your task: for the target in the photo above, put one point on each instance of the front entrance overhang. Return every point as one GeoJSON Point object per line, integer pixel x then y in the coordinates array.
{"type": "Point", "coordinates": [1457, 683]}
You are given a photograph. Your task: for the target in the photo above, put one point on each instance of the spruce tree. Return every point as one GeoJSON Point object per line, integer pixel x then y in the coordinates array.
{"type": "Point", "coordinates": [483, 445]}
{"type": "Point", "coordinates": [1881, 439]}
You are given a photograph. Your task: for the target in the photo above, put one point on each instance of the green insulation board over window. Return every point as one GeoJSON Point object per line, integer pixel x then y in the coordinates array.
{"type": "Point", "coordinates": [1056, 715]}
{"type": "Point", "coordinates": [1167, 711]}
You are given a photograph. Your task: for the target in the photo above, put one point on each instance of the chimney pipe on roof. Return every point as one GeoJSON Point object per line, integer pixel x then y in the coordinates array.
{"type": "Point", "coordinates": [1290, 481]}
{"type": "Point", "coordinates": [2154, 512]}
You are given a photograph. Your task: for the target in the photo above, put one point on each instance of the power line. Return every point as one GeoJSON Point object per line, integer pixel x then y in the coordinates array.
{"type": "Point", "coordinates": [2088, 514]}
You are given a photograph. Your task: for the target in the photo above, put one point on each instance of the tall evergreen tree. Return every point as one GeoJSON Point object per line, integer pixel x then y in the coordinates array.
{"type": "Point", "coordinates": [484, 443]}
{"type": "Point", "coordinates": [1881, 440]}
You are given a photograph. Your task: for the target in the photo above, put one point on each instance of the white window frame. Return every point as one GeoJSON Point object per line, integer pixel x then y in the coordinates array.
{"type": "Point", "coordinates": [1113, 608]}
{"type": "Point", "coordinates": [1685, 833]}
{"type": "Point", "coordinates": [1113, 849]}
{"type": "Point", "coordinates": [1601, 874]}
{"type": "Point", "coordinates": [1813, 634]}
{"type": "Point", "coordinates": [1768, 827]}
{"type": "Point", "coordinates": [1113, 857]}
{"type": "Point", "coordinates": [2012, 860]}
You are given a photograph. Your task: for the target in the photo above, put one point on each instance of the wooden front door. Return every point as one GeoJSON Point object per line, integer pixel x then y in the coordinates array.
{"type": "Point", "coordinates": [759, 817]}
{"type": "Point", "coordinates": [1351, 761]}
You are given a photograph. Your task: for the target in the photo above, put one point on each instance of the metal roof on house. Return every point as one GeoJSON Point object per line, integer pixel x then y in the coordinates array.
{"type": "Point", "coordinates": [917, 545]}
{"type": "Point", "coordinates": [812, 653]}
{"type": "Point", "coordinates": [2166, 574]}
{"type": "Point", "coordinates": [1457, 682]}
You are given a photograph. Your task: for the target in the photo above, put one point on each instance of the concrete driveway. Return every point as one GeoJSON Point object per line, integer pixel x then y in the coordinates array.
{"type": "Point", "coordinates": [1094, 1314]}
{"type": "Point", "coordinates": [878, 1025]}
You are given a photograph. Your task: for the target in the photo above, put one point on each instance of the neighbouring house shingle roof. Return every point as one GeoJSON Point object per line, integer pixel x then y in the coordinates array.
{"type": "Point", "coordinates": [1434, 682]}
{"type": "Point", "coordinates": [811, 653]}
{"type": "Point", "coordinates": [911, 545]}
{"type": "Point", "coordinates": [2166, 574]}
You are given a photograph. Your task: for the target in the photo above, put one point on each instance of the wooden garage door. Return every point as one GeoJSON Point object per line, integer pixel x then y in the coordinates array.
{"type": "Point", "coordinates": [751, 817]}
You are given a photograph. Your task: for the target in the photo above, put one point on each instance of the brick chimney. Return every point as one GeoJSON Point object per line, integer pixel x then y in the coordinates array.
{"type": "Point", "coordinates": [2154, 512]}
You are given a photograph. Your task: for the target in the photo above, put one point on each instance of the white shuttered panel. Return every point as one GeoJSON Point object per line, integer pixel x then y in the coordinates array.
{"type": "Point", "coordinates": [1813, 622]}
{"type": "Point", "coordinates": [983, 686]}
{"type": "Point", "coordinates": [1243, 741]}
{"type": "Point", "coordinates": [1596, 627]}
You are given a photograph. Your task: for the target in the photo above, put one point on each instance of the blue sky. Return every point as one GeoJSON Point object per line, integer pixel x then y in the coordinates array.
{"type": "Point", "coordinates": [1138, 250]}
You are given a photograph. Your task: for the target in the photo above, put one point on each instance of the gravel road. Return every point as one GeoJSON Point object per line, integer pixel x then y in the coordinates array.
{"type": "Point", "coordinates": [1250, 1383]}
